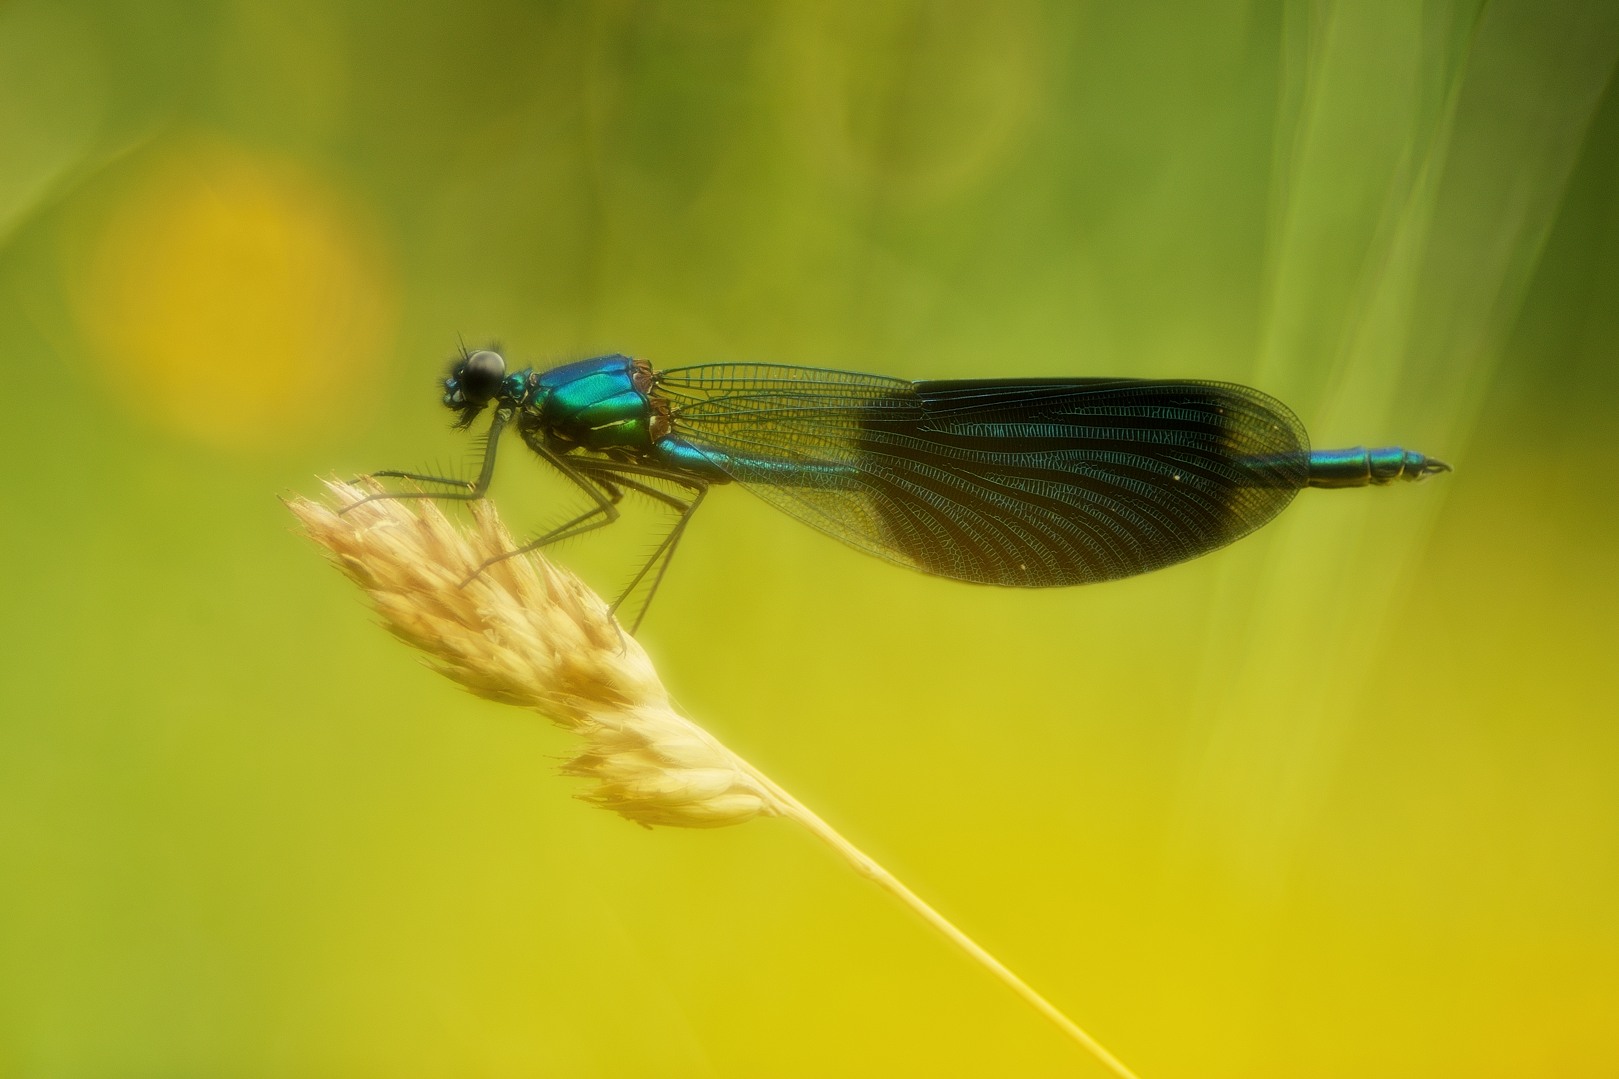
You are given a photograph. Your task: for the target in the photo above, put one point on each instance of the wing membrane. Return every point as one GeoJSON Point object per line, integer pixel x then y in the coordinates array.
{"type": "Point", "coordinates": [1010, 482]}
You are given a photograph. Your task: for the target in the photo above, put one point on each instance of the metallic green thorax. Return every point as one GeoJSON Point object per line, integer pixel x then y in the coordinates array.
{"type": "Point", "coordinates": [605, 405]}
{"type": "Point", "coordinates": [601, 405]}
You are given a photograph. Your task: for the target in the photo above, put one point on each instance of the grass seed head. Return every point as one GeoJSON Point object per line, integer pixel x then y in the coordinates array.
{"type": "Point", "coordinates": [523, 631]}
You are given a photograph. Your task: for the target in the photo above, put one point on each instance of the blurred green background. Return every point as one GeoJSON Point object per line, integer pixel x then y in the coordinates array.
{"type": "Point", "coordinates": [1341, 800]}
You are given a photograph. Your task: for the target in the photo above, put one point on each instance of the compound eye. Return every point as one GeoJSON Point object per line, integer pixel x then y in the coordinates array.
{"type": "Point", "coordinates": [481, 375]}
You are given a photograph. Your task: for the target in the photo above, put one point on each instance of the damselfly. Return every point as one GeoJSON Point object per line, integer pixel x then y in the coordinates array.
{"type": "Point", "coordinates": [1029, 483]}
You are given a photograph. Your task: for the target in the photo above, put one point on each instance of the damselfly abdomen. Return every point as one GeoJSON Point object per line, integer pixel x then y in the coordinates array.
{"type": "Point", "coordinates": [1028, 483]}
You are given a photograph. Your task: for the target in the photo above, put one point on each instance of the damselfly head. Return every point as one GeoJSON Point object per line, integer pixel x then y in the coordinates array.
{"type": "Point", "coordinates": [473, 381]}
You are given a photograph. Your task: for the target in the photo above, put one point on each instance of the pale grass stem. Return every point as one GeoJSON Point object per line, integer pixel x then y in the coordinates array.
{"type": "Point", "coordinates": [525, 632]}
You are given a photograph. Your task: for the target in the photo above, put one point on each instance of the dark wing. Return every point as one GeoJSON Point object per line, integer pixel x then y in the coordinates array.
{"type": "Point", "coordinates": [1010, 482]}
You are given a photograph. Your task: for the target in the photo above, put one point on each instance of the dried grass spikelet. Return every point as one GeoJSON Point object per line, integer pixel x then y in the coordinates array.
{"type": "Point", "coordinates": [524, 632]}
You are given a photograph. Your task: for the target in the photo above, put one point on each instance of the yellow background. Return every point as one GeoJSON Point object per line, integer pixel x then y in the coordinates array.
{"type": "Point", "coordinates": [1341, 800]}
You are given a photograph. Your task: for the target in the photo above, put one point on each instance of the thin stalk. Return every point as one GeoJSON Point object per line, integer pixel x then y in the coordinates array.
{"type": "Point", "coordinates": [868, 867]}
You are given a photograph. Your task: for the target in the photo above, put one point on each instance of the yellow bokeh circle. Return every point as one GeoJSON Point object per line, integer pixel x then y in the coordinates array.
{"type": "Point", "coordinates": [235, 298]}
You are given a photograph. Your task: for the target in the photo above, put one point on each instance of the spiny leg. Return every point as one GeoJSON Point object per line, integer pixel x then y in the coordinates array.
{"type": "Point", "coordinates": [576, 527]}
{"type": "Point", "coordinates": [604, 512]}
{"type": "Point", "coordinates": [475, 489]}
{"type": "Point", "coordinates": [663, 557]}
{"type": "Point", "coordinates": [665, 552]}
{"type": "Point", "coordinates": [419, 477]}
